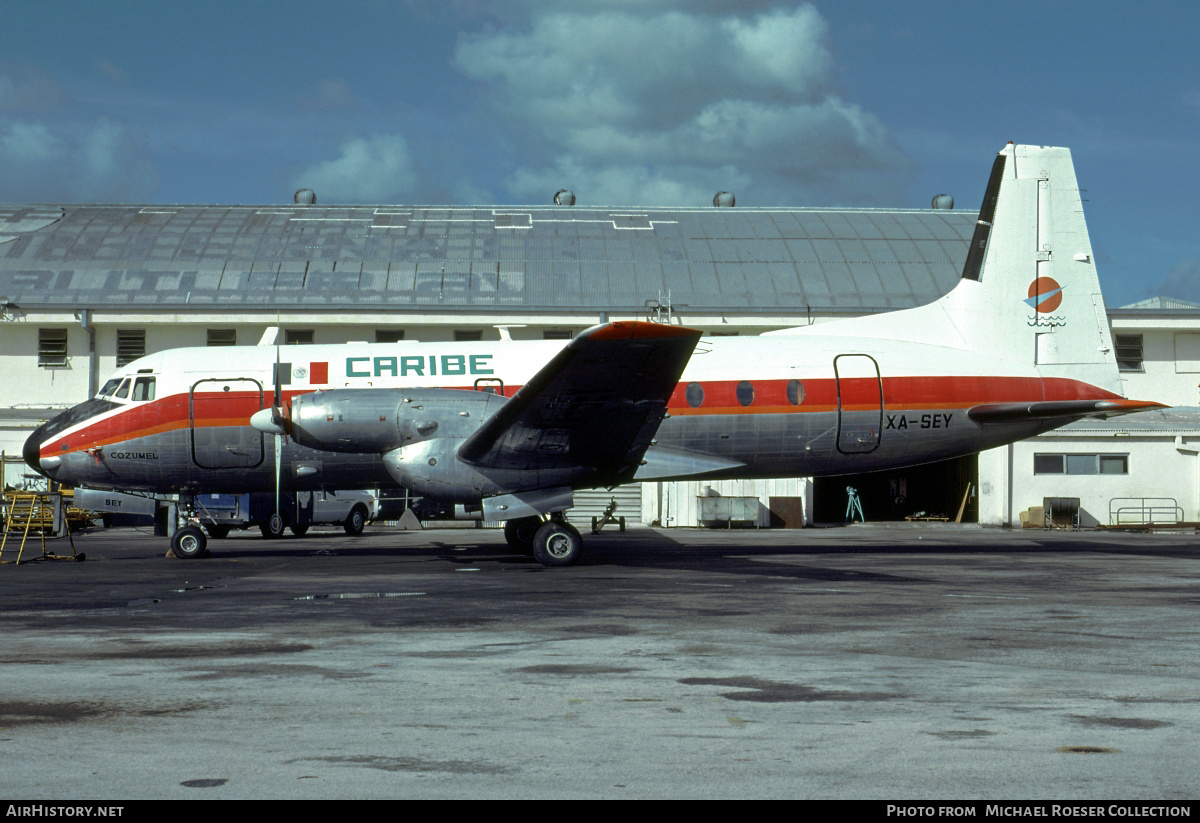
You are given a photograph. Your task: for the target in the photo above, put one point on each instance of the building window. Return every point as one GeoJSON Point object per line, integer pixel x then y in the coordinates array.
{"type": "Point", "coordinates": [131, 344]}
{"type": "Point", "coordinates": [52, 347]}
{"type": "Point", "coordinates": [556, 334]}
{"type": "Point", "coordinates": [298, 337]}
{"type": "Point", "coordinates": [1081, 464]}
{"type": "Point", "coordinates": [222, 337]}
{"type": "Point", "coordinates": [467, 335]}
{"type": "Point", "coordinates": [389, 335]}
{"type": "Point", "coordinates": [1129, 352]}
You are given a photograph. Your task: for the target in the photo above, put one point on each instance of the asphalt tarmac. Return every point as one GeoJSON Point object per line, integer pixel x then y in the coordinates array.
{"type": "Point", "coordinates": [932, 662]}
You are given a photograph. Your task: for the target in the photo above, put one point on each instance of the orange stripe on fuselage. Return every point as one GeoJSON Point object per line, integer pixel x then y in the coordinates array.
{"type": "Point", "coordinates": [720, 397]}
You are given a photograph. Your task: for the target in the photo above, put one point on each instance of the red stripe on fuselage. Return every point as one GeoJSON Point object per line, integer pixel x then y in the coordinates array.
{"type": "Point", "coordinates": [720, 397]}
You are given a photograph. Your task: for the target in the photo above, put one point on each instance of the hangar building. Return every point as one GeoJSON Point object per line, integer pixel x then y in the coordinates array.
{"type": "Point", "coordinates": [85, 288]}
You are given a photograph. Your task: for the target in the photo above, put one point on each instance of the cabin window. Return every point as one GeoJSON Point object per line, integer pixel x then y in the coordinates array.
{"type": "Point", "coordinates": [1129, 352]}
{"type": "Point", "coordinates": [795, 392]}
{"type": "Point", "coordinates": [694, 395]}
{"type": "Point", "coordinates": [745, 392]}
{"type": "Point", "coordinates": [123, 392]}
{"type": "Point", "coordinates": [222, 337]}
{"type": "Point", "coordinates": [143, 389]}
{"type": "Point", "coordinates": [110, 387]}
{"type": "Point", "coordinates": [131, 344]}
{"type": "Point", "coordinates": [52, 347]}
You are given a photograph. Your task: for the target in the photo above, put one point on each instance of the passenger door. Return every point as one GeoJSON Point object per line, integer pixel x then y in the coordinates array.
{"type": "Point", "coordinates": [219, 414]}
{"type": "Point", "coordinates": [860, 403]}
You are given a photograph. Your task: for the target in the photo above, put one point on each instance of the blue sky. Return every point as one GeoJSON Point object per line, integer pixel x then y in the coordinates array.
{"type": "Point", "coordinates": [627, 102]}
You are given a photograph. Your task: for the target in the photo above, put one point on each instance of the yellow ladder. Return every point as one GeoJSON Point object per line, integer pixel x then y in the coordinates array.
{"type": "Point", "coordinates": [33, 512]}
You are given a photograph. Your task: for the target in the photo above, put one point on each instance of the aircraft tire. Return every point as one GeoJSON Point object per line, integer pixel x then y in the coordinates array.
{"type": "Point", "coordinates": [189, 543]}
{"type": "Point", "coordinates": [273, 527]}
{"type": "Point", "coordinates": [519, 533]}
{"type": "Point", "coordinates": [356, 521]}
{"type": "Point", "coordinates": [299, 531]}
{"type": "Point", "coordinates": [557, 544]}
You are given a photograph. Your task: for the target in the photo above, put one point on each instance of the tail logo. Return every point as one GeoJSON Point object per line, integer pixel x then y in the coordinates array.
{"type": "Point", "coordinates": [1045, 295]}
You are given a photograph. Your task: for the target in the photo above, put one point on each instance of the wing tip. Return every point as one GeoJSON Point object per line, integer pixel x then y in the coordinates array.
{"type": "Point", "coordinates": [637, 329]}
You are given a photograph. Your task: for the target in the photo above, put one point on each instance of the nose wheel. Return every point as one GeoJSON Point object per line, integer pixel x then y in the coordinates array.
{"type": "Point", "coordinates": [189, 543]}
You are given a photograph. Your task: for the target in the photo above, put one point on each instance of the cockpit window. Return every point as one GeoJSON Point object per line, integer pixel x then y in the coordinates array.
{"type": "Point", "coordinates": [143, 389]}
{"type": "Point", "coordinates": [89, 408]}
{"type": "Point", "coordinates": [110, 387]}
{"type": "Point", "coordinates": [123, 392]}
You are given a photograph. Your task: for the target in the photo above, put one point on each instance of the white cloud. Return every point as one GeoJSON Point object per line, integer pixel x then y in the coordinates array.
{"type": "Point", "coordinates": [647, 102]}
{"type": "Point", "coordinates": [103, 163]}
{"type": "Point", "coordinates": [375, 169]}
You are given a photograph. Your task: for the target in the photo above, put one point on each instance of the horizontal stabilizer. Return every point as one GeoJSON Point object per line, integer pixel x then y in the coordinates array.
{"type": "Point", "coordinates": [1061, 410]}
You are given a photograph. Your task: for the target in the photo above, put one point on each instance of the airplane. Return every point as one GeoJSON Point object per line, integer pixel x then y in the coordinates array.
{"type": "Point", "coordinates": [510, 429]}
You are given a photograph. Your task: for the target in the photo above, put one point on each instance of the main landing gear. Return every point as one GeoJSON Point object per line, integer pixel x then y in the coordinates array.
{"type": "Point", "coordinates": [553, 542]}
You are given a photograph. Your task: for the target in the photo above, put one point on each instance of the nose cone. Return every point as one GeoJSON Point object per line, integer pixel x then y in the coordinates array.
{"type": "Point", "coordinates": [33, 448]}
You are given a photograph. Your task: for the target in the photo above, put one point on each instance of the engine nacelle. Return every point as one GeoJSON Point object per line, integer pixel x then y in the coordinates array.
{"type": "Point", "coordinates": [432, 468]}
{"type": "Point", "coordinates": [374, 421]}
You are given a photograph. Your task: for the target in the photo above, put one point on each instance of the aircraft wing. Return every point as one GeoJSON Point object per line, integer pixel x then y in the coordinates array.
{"type": "Point", "coordinates": [1061, 410]}
{"type": "Point", "coordinates": [596, 405]}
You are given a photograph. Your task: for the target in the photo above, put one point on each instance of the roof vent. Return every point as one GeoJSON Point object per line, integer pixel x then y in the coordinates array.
{"type": "Point", "coordinates": [942, 201]}
{"type": "Point", "coordinates": [305, 197]}
{"type": "Point", "coordinates": [725, 199]}
{"type": "Point", "coordinates": [564, 197]}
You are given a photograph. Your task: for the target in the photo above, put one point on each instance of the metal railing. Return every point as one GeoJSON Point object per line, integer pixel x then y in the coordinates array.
{"type": "Point", "coordinates": [1144, 511]}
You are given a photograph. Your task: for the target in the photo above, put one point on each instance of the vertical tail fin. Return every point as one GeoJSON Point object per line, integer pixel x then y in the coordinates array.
{"type": "Point", "coordinates": [1029, 290]}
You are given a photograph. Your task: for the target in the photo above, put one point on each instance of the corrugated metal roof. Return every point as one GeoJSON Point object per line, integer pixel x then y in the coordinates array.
{"type": "Point", "coordinates": [1164, 303]}
{"type": "Point", "coordinates": [295, 257]}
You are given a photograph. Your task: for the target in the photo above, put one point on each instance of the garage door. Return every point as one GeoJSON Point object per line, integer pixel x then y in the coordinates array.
{"type": "Point", "coordinates": [592, 502]}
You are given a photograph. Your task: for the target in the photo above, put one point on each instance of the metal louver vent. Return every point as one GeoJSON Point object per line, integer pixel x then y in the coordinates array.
{"type": "Point", "coordinates": [131, 344]}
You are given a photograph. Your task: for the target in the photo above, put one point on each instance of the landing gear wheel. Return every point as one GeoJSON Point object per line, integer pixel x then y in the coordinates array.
{"type": "Point", "coordinates": [557, 543]}
{"type": "Point", "coordinates": [299, 531]}
{"type": "Point", "coordinates": [356, 521]}
{"type": "Point", "coordinates": [520, 532]}
{"type": "Point", "coordinates": [274, 526]}
{"type": "Point", "coordinates": [189, 543]}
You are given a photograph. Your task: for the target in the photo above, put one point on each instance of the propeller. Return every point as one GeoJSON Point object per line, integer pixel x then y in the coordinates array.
{"type": "Point", "coordinates": [274, 421]}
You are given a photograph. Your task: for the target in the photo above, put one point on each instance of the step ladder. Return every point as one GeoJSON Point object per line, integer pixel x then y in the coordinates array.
{"type": "Point", "coordinates": [36, 513]}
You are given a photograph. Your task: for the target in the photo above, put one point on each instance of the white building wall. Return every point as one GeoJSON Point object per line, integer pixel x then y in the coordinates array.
{"type": "Point", "coordinates": [1170, 367]}
{"type": "Point", "coordinates": [28, 385]}
{"type": "Point", "coordinates": [1163, 467]}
